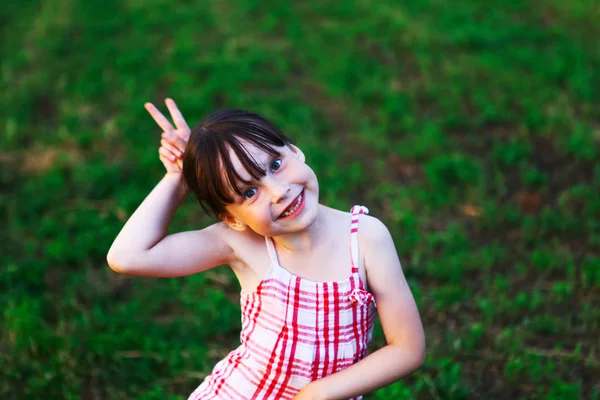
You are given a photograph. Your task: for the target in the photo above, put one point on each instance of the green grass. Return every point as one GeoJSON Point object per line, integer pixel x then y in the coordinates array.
{"type": "Point", "coordinates": [470, 128]}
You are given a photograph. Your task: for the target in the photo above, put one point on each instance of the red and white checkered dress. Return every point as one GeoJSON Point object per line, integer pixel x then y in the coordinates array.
{"type": "Point", "coordinates": [294, 331]}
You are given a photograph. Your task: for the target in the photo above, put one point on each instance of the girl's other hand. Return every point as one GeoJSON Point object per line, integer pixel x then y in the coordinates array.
{"type": "Point", "coordinates": [310, 392]}
{"type": "Point", "coordinates": [174, 140]}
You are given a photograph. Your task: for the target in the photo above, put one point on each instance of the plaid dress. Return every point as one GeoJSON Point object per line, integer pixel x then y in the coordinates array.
{"type": "Point", "coordinates": [294, 331]}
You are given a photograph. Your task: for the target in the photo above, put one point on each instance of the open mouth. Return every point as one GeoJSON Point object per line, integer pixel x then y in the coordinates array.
{"type": "Point", "coordinates": [294, 208]}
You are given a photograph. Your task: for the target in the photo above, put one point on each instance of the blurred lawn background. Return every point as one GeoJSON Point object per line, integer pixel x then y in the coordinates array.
{"type": "Point", "coordinates": [470, 128]}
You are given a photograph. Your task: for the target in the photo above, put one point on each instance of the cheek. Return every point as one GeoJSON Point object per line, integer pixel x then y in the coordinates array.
{"type": "Point", "coordinates": [311, 176]}
{"type": "Point", "coordinates": [259, 212]}
{"type": "Point", "coordinates": [304, 172]}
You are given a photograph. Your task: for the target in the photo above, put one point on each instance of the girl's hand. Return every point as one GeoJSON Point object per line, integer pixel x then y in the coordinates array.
{"type": "Point", "coordinates": [310, 392]}
{"type": "Point", "coordinates": [173, 142]}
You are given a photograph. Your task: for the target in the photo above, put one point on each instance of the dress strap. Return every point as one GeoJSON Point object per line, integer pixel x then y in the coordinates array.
{"type": "Point", "coordinates": [356, 211]}
{"type": "Point", "coordinates": [271, 250]}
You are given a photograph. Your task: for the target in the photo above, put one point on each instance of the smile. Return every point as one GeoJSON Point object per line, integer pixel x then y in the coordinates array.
{"type": "Point", "coordinates": [295, 207]}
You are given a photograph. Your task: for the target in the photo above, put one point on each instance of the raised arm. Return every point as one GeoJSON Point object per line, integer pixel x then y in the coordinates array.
{"type": "Point", "coordinates": [141, 247]}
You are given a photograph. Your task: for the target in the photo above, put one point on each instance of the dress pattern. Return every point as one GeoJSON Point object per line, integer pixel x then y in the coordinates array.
{"type": "Point", "coordinates": [294, 331]}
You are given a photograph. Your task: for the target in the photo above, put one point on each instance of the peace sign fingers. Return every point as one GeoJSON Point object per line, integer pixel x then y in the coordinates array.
{"type": "Point", "coordinates": [159, 118]}
{"type": "Point", "coordinates": [174, 140]}
{"type": "Point", "coordinates": [182, 126]}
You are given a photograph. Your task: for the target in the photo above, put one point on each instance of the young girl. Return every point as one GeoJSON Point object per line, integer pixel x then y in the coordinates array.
{"type": "Point", "coordinates": [311, 276]}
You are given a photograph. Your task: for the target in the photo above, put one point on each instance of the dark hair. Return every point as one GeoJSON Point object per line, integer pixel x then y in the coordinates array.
{"type": "Point", "coordinates": [207, 154]}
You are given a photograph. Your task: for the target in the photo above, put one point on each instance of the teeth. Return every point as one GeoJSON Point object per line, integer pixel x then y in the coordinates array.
{"type": "Point", "coordinates": [285, 214]}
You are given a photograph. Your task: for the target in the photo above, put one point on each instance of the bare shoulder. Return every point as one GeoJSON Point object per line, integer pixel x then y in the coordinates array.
{"type": "Point", "coordinates": [377, 247]}
{"type": "Point", "coordinates": [248, 247]}
{"type": "Point", "coordinates": [372, 231]}
{"type": "Point", "coordinates": [224, 232]}
{"type": "Point", "coordinates": [235, 240]}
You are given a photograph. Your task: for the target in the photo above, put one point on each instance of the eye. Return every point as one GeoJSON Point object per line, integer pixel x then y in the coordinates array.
{"type": "Point", "coordinates": [249, 193]}
{"type": "Point", "coordinates": [276, 164]}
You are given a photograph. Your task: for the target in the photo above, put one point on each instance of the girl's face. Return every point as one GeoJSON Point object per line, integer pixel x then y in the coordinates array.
{"type": "Point", "coordinates": [284, 201]}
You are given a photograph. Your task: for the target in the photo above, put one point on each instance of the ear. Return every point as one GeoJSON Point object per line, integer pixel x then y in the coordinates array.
{"type": "Point", "coordinates": [296, 150]}
{"type": "Point", "coordinates": [233, 222]}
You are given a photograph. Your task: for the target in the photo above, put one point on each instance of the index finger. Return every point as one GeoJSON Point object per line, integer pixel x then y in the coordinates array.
{"type": "Point", "coordinates": [159, 118]}
{"type": "Point", "coordinates": [176, 114]}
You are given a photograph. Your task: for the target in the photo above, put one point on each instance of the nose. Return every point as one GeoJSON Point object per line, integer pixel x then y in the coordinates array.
{"type": "Point", "coordinates": [279, 190]}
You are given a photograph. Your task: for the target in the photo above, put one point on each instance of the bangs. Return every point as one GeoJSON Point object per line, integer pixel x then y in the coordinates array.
{"type": "Point", "coordinates": [227, 179]}
{"type": "Point", "coordinates": [207, 166]}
